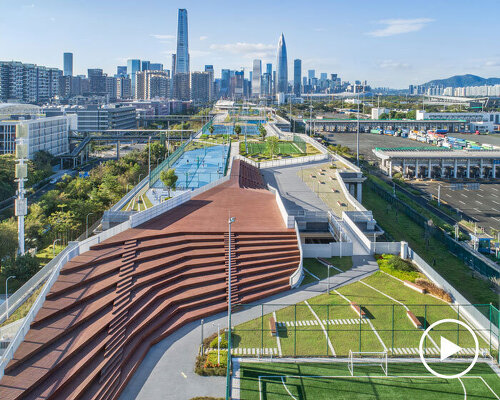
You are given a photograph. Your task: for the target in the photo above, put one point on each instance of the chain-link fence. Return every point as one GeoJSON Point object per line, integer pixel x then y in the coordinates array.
{"type": "Point", "coordinates": [326, 330]}
{"type": "Point", "coordinates": [437, 233]}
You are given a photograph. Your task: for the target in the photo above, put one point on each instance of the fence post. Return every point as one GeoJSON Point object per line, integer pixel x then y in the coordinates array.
{"type": "Point", "coordinates": [295, 331]}
{"type": "Point", "coordinates": [491, 305]}
{"type": "Point", "coordinates": [425, 327]}
{"type": "Point", "coordinates": [458, 326]}
{"type": "Point", "coordinates": [360, 327]}
{"type": "Point", "coordinates": [262, 327]}
{"type": "Point", "coordinates": [392, 330]}
{"type": "Point", "coordinates": [327, 326]}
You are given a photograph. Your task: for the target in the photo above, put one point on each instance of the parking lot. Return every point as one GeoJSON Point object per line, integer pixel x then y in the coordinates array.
{"type": "Point", "coordinates": [481, 205]}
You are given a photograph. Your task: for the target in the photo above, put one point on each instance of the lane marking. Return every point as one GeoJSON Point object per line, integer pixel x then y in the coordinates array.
{"type": "Point", "coordinates": [277, 334]}
{"type": "Point", "coordinates": [330, 345]}
{"type": "Point", "coordinates": [460, 201]}
{"type": "Point", "coordinates": [477, 201]}
{"type": "Point", "coordinates": [184, 375]}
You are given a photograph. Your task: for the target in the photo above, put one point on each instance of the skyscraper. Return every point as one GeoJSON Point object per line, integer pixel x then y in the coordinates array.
{"type": "Point", "coordinates": [121, 70]}
{"type": "Point", "coordinates": [281, 67]}
{"type": "Point", "coordinates": [297, 74]}
{"type": "Point", "coordinates": [182, 59]}
{"type": "Point", "coordinates": [210, 70]}
{"type": "Point", "coordinates": [132, 67]}
{"type": "Point", "coordinates": [68, 64]}
{"type": "Point", "coordinates": [145, 65]}
{"type": "Point", "coordinates": [256, 78]}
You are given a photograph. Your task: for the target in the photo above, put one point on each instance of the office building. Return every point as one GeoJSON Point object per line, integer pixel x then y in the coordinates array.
{"type": "Point", "coordinates": [256, 78]}
{"type": "Point", "coordinates": [121, 70]}
{"type": "Point", "coordinates": [97, 81]}
{"type": "Point", "coordinates": [311, 74]}
{"type": "Point", "coordinates": [155, 67]}
{"type": "Point", "coordinates": [94, 118]}
{"type": "Point", "coordinates": [44, 133]}
{"type": "Point", "coordinates": [225, 83]}
{"type": "Point", "coordinates": [132, 67]}
{"type": "Point", "coordinates": [200, 87]}
{"type": "Point", "coordinates": [297, 74]}
{"type": "Point", "coordinates": [182, 57]}
{"type": "Point", "coordinates": [68, 64]}
{"type": "Point", "coordinates": [282, 67]}
{"type": "Point", "coordinates": [145, 65]}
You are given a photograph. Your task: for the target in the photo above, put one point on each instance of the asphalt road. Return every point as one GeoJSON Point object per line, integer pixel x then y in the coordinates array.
{"type": "Point", "coordinates": [481, 205]}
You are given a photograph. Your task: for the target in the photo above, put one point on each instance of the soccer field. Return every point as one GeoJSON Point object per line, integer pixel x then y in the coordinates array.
{"type": "Point", "coordinates": [283, 148]}
{"type": "Point", "coordinates": [322, 381]}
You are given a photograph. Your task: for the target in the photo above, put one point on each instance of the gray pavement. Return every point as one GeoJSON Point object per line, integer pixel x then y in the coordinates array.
{"type": "Point", "coordinates": [296, 195]}
{"type": "Point", "coordinates": [167, 370]}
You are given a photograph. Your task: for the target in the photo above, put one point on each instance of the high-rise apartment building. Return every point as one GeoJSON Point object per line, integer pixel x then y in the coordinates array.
{"type": "Point", "coordinates": [97, 81]}
{"type": "Point", "coordinates": [152, 84]}
{"type": "Point", "coordinates": [68, 64]}
{"type": "Point", "coordinates": [132, 67]}
{"type": "Point", "coordinates": [123, 87]}
{"type": "Point", "coordinates": [282, 67]}
{"type": "Point", "coordinates": [181, 86]}
{"type": "Point", "coordinates": [200, 87]}
{"type": "Point", "coordinates": [297, 75]}
{"type": "Point", "coordinates": [256, 78]}
{"type": "Point", "coordinates": [210, 70]}
{"type": "Point", "coordinates": [182, 58]}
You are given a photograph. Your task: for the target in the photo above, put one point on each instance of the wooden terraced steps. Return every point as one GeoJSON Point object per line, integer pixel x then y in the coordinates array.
{"type": "Point", "coordinates": [112, 303]}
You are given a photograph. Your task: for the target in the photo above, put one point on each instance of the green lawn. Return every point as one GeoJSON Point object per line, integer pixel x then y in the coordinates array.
{"type": "Point", "coordinates": [258, 150]}
{"type": "Point", "coordinates": [385, 301]}
{"type": "Point", "coordinates": [450, 267]}
{"type": "Point", "coordinates": [320, 270]}
{"type": "Point", "coordinates": [325, 381]}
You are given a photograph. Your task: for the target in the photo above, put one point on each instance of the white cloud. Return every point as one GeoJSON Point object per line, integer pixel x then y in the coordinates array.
{"type": "Point", "coordinates": [492, 63]}
{"type": "Point", "coordinates": [29, 5]}
{"type": "Point", "coordinates": [203, 37]}
{"type": "Point", "coordinates": [257, 50]}
{"type": "Point", "coordinates": [399, 26]}
{"type": "Point", "coordinates": [162, 37]}
{"type": "Point", "coordinates": [391, 64]}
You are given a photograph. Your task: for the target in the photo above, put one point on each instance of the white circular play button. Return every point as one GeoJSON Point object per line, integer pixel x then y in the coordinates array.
{"type": "Point", "coordinates": [448, 348]}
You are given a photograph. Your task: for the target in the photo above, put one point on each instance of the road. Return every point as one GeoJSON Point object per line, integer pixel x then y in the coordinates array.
{"type": "Point", "coordinates": [482, 205]}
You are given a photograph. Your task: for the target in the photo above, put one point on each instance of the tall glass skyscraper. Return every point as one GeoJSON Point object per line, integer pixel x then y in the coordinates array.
{"type": "Point", "coordinates": [182, 58]}
{"type": "Point", "coordinates": [281, 67]}
{"type": "Point", "coordinates": [68, 64]}
{"type": "Point", "coordinates": [297, 76]}
{"type": "Point", "coordinates": [132, 67]}
{"type": "Point", "coordinates": [256, 78]}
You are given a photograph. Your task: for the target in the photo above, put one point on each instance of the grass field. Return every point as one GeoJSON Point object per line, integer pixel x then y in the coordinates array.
{"type": "Point", "coordinates": [258, 150]}
{"type": "Point", "coordinates": [322, 381]}
{"type": "Point", "coordinates": [316, 269]}
{"type": "Point", "coordinates": [327, 324]}
{"type": "Point", "coordinates": [450, 267]}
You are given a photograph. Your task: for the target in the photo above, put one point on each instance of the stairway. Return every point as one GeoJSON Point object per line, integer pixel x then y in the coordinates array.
{"type": "Point", "coordinates": [231, 251]}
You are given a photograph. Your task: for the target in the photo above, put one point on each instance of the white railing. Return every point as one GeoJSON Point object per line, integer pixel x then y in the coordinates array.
{"type": "Point", "coordinates": [297, 276]}
{"type": "Point", "coordinates": [128, 196]}
{"type": "Point", "coordinates": [292, 161]}
{"type": "Point", "coordinates": [345, 161]}
{"type": "Point", "coordinates": [365, 241]}
{"type": "Point", "coordinates": [289, 220]}
{"type": "Point", "coordinates": [314, 143]}
{"type": "Point", "coordinates": [146, 215]}
{"type": "Point", "coordinates": [350, 198]}
{"type": "Point", "coordinates": [472, 314]}
{"type": "Point", "coordinates": [386, 247]}
{"type": "Point", "coordinates": [8, 332]}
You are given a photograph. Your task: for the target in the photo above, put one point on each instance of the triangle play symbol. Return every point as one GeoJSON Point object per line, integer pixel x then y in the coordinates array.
{"type": "Point", "coordinates": [448, 348]}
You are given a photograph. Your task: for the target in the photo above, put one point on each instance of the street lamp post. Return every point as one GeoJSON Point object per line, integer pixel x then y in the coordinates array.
{"type": "Point", "coordinates": [87, 225]}
{"type": "Point", "coordinates": [139, 178]}
{"type": "Point", "coordinates": [54, 247]}
{"type": "Point", "coordinates": [149, 155]}
{"type": "Point", "coordinates": [357, 137]}
{"type": "Point", "coordinates": [7, 294]}
{"type": "Point", "coordinates": [228, 372]}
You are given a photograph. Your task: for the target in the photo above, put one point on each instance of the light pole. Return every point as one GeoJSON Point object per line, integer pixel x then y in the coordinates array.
{"type": "Point", "coordinates": [139, 178]}
{"type": "Point", "coordinates": [7, 293]}
{"type": "Point", "coordinates": [87, 225]}
{"type": "Point", "coordinates": [218, 342]}
{"type": "Point", "coordinates": [357, 136]}
{"type": "Point", "coordinates": [149, 155]}
{"type": "Point", "coordinates": [228, 372]}
{"type": "Point", "coordinates": [54, 247]}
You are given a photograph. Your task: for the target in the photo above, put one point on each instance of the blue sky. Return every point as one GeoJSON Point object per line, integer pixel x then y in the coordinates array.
{"type": "Point", "coordinates": [389, 43]}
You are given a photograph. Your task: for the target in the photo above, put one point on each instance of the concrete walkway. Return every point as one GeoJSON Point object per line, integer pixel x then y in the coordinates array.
{"type": "Point", "coordinates": [167, 371]}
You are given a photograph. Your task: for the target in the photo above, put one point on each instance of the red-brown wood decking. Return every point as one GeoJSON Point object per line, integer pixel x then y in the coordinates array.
{"type": "Point", "coordinates": [112, 303]}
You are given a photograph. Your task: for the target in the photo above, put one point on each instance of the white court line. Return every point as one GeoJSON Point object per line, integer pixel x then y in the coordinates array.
{"type": "Point", "coordinates": [310, 273]}
{"type": "Point", "coordinates": [465, 392]}
{"type": "Point", "coordinates": [386, 295]}
{"type": "Point", "coordinates": [378, 336]}
{"type": "Point", "coordinates": [286, 388]}
{"type": "Point", "coordinates": [488, 386]}
{"type": "Point", "coordinates": [330, 345]}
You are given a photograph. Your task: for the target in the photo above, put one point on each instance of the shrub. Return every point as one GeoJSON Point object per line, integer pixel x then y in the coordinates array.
{"type": "Point", "coordinates": [434, 289]}
{"type": "Point", "coordinates": [399, 264]}
{"type": "Point", "coordinates": [223, 342]}
{"type": "Point", "coordinates": [206, 365]}
{"type": "Point", "coordinates": [397, 267]}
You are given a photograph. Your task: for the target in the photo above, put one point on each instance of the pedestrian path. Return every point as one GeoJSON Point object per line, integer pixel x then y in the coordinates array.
{"type": "Point", "coordinates": [345, 321]}
{"type": "Point", "coordinates": [434, 351]}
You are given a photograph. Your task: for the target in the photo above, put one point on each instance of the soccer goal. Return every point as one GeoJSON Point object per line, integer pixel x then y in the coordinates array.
{"type": "Point", "coordinates": [377, 358]}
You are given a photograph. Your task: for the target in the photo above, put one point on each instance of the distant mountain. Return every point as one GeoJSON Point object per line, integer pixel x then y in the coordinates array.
{"type": "Point", "coordinates": [463, 80]}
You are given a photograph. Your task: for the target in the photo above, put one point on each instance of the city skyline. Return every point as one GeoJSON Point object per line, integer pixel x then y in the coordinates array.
{"type": "Point", "coordinates": [371, 43]}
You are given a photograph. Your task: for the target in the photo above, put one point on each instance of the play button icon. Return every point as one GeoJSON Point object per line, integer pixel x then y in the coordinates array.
{"type": "Point", "coordinates": [448, 348]}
